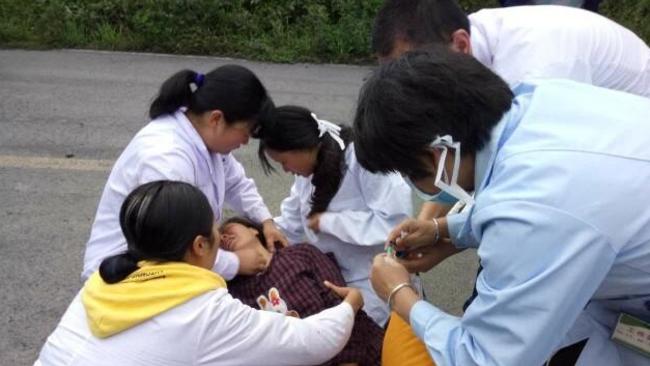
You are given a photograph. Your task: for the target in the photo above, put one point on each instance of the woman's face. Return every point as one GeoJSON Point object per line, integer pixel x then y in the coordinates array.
{"type": "Point", "coordinates": [299, 162]}
{"type": "Point", "coordinates": [218, 135]}
{"type": "Point", "coordinates": [236, 236]}
{"type": "Point", "coordinates": [229, 137]}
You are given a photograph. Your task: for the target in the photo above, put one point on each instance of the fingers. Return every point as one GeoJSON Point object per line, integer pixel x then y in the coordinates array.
{"type": "Point", "coordinates": [284, 242]}
{"type": "Point", "coordinates": [339, 291]}
{"type": "Point", "coordinates": [348, 294]}
{"type": "Point", "coordinates": [274, 237]}
{"type": "Point", "coordinates": [396, 233]}
{"type": "Point", "coordinates": [270, 244]}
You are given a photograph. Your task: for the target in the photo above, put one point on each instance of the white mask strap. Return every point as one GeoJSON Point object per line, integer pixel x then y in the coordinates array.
{"type": "Point", "coordinates": [328, 127]}
{"type": "Point", "coordinates": [446, 142]}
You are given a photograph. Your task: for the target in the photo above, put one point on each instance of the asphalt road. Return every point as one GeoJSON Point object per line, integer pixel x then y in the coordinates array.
{"type": "Point", "coordinates": [64, 118]}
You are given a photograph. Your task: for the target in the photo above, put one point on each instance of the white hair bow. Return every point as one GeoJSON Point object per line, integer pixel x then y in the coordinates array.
{"type": "Point", "coordinates": [330, 128]}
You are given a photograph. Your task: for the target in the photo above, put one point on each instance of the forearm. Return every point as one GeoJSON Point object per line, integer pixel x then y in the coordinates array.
{"type": "Point", "coordinates": [403, 301]}
{"type": "Point", "coordinates": [432, 210]}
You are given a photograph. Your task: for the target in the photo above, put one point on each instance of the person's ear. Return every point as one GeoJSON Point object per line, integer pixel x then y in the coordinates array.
{"type": "Point", "coordinates": [461, 42]}
{"type": "Point", "coordinates": [201, 246]}
{"type": "Point", "coordinates": [216, 118]}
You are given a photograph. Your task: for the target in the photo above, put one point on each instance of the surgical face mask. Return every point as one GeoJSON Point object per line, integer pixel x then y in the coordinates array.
{"type": "Point", "coordinates": [450, 191]}
{"type": "Point", "coordinates": [440, 197]}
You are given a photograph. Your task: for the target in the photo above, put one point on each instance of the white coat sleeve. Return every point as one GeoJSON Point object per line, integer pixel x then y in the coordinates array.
{"type": "Point", "coordinates": [241, 192]}
{"type": "Point", "coordinates": [240, 335]}
{"type": "Point", "coordinates": [542, 57]}
{"type": "Point", "coordinates": [388, 202]}
{"type": "Point", "coordinates": [541, 266]}
{"type": "Point", "coordinates": [290, 220]}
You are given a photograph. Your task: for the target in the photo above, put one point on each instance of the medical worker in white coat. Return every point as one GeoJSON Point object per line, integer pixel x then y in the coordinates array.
{"type": "Point", "coordinates": [334, 203]}
{"type": "Point", "coordinates": [196, 121]}
{"type": "Point", "coordinates": [560, 215]}
{"type": "Point", "coordinates": [159, 303]}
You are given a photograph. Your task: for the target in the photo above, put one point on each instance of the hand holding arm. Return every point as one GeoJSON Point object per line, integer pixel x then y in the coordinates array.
{"type": "Point", "coordinates": [273, 235]}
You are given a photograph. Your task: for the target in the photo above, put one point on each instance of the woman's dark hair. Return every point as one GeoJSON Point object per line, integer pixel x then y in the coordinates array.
{"type": "Point", "coordinates": [160, 221]}
{"type": "Point", "coordinates": [420, 22]}
{"type": "Point", "coordinates": [232, 89]}
{"type": "Point", "coordinates": [290, 128]}
{"type": "Point", "coordinates": [426, 93]}
{"type": "Point", "coordinates": [249, 224]}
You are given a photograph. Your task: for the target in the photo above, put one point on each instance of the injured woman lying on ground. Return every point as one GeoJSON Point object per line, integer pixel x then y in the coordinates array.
{"type": "Point", "coordinates": [292, 284]}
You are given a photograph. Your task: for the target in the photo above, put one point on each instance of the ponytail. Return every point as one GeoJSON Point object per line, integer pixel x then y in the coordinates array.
{"type": "Point", "coordinates": [118, 267]}
{"type": "Point", "coordinates": [174, 93]}
{"type": "Point", "coordinates": [329, 172]}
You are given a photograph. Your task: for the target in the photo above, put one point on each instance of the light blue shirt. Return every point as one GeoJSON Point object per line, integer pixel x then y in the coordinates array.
{"type": "Point", "coordinates": [562, 226]}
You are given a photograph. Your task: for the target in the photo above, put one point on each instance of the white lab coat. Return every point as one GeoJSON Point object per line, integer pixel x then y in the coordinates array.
{"type": "Point", "coordinates": [169, 148]}
{"type": "Point", "coordinates": [538, 42]}
{"type": "Point", "coordinates": [355, 226]}
{"type": "Point", "coordinates": [211, 329]}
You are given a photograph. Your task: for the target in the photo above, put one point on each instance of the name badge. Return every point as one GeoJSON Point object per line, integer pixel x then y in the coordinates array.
{"type": "Point", "coordinates": [633, 333]}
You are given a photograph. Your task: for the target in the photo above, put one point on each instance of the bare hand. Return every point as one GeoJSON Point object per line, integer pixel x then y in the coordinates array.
{"type": "Point", "coordinates": [411, 234]}
{"type": "Point", "coordinates": [273, 236]}
{"type": "Point", "coordinates": [424, 258]}
{"type": "Point", "coordinates": [252, 260]}
{"type": "Point", "coordinates": [386, 274]}
{"type": "Point", "coordinates": [313, 222]}
{"type": "Point", "coordinates": [350, 295]}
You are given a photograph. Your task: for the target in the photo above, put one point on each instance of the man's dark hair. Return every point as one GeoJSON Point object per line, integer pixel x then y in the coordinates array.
{"type": "Point", "coordinates": [426, 93]}
{"type": "Point", "coordinates": [419, 22]}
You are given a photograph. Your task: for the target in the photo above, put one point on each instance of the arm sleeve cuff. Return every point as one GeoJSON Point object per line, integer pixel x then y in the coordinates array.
{"type": "Point", "coordinates": [420, 314]}
{"type": "Point", "coordinates": [227, 264]}
{"type": "Point", "coordinates": [459, 237]}
{"type": "Point", "coordinates": [325, 223]}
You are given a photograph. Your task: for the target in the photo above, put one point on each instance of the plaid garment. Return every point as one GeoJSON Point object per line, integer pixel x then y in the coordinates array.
{"type": "Point", "coordinates": [298, 272]}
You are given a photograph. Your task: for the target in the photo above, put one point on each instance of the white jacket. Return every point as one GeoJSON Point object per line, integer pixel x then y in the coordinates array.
{"type": "Point", "coordinates": [540, 42]}
{"type": "Point", "coordinates": [211, 329]}
{"type": "Point", "coordinates": [355, 226]}
{"type": "Point", "coordinates": [170, 148]}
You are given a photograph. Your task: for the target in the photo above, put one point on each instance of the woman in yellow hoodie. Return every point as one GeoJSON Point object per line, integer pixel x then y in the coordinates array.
{"type": "Point", "coordinates": [159, 303]}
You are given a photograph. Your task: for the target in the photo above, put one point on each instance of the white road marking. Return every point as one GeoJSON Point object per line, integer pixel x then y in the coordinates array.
{"type": "Point", "coordinates": [38, 162]}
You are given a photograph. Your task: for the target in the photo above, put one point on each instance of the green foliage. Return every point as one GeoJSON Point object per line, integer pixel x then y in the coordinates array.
{"type": "Point", "coordinates": [273, 30]}
{"type": "Point", "coordinates": [633, 14]}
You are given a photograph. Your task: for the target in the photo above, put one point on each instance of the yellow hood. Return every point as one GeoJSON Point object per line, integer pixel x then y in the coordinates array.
{"type": "Point", "coordinates": [149, 291]}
